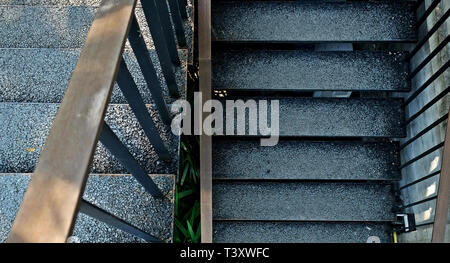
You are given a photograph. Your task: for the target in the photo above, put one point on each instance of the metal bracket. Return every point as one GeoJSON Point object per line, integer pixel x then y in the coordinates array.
{"type": "Point", "coordinates": [405, 223]}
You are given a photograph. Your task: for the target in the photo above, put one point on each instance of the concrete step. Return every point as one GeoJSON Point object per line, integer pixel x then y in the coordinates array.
{"type": "Point", "coordinates": [244, 159]}
{"type": "Point", "coordinates": [42, 74]}
{"type": "Point", "coordinates": [300, 21]}
{"type": "Point", "coordinates": [335, 117]}
{"type": "Point", "coordinates": [51, 4]}
{"type": "Point", "coordinates": [120, 195]}
{"type": "Point", "coordinates": [25, 127]}
{"type": "Point", "coordinates": [25, 26]}
{"type": "Point", "coordinates": [296, 70]}
{"type": "Point", "coordinates": [298, 232]}
{"type": "Point", "coordinates": [302, 201]}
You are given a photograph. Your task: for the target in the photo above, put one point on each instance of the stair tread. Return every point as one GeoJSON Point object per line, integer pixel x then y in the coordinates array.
{"type": "Point", "coordinates": [240, 159]}
{"type": "Point", "coordinates": [48, 71]}
{"type": "Point", "coordinates": [25, 127]}
{"type": "Point", "coordinates": [298, 232]}
{"type": "Point", "coordinates": [51, 26]}
{"type": "Point", "coordinates": [335, 117]}
{"type": "Point", "coordinates": [298, 70]}
{"type": "Point", "coordinates": [303, 201]}
{"type": "Point", "coordinates": [299, 21]}
{"type": "Point", "coordinates": [121, 195]}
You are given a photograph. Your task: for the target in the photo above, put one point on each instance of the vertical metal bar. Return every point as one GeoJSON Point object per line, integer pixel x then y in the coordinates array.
{"type": "Point", "coordinates": [115, 146]}
{"type": "Point", "coordinates": [422, 132]}
{"type": "Point", "coordinates": [166, 25]}
{"type": "Point", "coordinates": [131, 93]}
{"type": "Point", "coordinates": [428, 35]}
{"type": "Point", "coordinates": [443, 194]}
{"type": "Point", "coordinates": [427, 13]}
{"type": "Point", "coordinates": [429, 57]}
{"type": "Point", "coordinates": [421, 179]}
{"type": "Point", "coordinates": [148, 70]}
{"type": "Point", "coordinates": [177, 22]}
{"type": "Point", "coordinates": [428, 105]}
{"type": "Point", "coordinates": [105, 217]}
{"type": "Point", "coordinates": [182, 4]}
{"type": "Point", "coordinates": [420, 156]}
{"type": "Point", "coordinates": [430, 80]}
{"type": "Point", "coordinates": [156, 30]}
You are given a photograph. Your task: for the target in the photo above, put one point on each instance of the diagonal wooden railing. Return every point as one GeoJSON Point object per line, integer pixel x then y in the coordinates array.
{"type": "Point", "coordinates": [54, 196]}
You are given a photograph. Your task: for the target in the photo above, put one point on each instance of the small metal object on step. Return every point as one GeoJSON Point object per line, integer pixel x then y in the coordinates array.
{"type": "Point", "coordinates": [405, 223]}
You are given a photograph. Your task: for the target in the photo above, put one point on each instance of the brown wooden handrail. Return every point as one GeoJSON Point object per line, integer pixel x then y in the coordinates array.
{"type": "Point", "coordinates": [204, 49]}
{"type": "Point", "coordinates": [443, 194]}
{"type": "Point", "coordinates": [51, 201]}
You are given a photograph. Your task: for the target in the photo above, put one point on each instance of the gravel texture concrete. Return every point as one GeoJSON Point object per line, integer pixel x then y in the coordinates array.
{"type": "Point", "coordinates": [275, 201]}
{"type": "Point", "coordinates": [120, 195]}
{"type": "Point", "coordinates": [282, 21]}
{"type": "Point", "coordinates": [297, 160]}
{"type": "Point", "coordinates": [310, 71]}
{"type": "Point", "coordinates": [42, 75]}
{"type": "Point", "coordinates": [25, 127]}
{"type": "Point", "coordinates": [26, 26]}
{"type": "Point", "coordinates": [335, 117]}
{"type": "Point", "coordinates": [297, 232]}
{"type": "Point", "coordinates": [56, 25]}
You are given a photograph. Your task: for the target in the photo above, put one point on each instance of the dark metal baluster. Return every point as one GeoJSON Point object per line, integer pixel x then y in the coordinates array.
{"type": "Point", "coordinates": [115, 146]}
{"type": "Point", "coordinates": [163, 50]}
{"type": "Point", "coordinates": [427, 13]}
{"type": "Point", "coordinates": [105, 217]}
{"type": "Point", "coordinates": [429, 57]}
{"type": "Point", "coordinates": [178, 23]}
{"type": "Point", "coordinates": [131, 93]}
{"type": "Point", "coordinates": [148, 70]}
{"type": "Point", "coordinates": [166, 26]}
{"type": "Point", "coordinates": [420, 156]}
{"type": "Point", "coordinates": [430, 80]}
{"type": "Point", "coordinates": [182, 4]}
{"type": "Point", "coordinates": [428, 105]}
{"type": "Point", "coordinates": [429, 34]}
{"type": "Point", "coordinates": [418, 135]}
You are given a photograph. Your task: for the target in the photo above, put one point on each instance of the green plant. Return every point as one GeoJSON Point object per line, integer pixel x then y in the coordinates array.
{"type": "Point", "coordinates": [187, 195]}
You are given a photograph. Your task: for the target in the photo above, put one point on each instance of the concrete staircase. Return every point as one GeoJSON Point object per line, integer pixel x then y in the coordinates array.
{"type": "Point", "coordinates": [331, 177]}
{"type": "Point", "coordinates": [40, 42]}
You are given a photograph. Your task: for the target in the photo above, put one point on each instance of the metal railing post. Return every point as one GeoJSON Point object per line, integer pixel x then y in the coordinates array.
{"type": "Point", "coordinates": [166, 26]}
{"type": "Point", "coordinates": [182, 4]}
{"type": "Point", "coordinates": [116, 147]}
{"type": "Point", "coordinates": [177, 22]}
{"type": "Point", "coordinates": [147, 69]}
{"type": "Point", "coordinates": [162, 49]}
{"type": "Point", "coordinates": [107, 218]}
